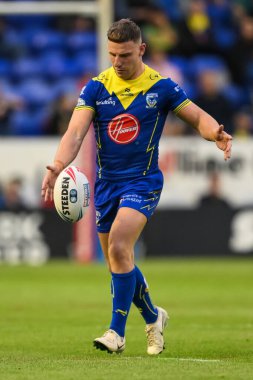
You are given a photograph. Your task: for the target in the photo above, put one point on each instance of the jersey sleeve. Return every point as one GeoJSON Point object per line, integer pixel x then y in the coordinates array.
{"type": "Point", "coordinates": [86, 98]}
{"type": "Point", "coordinates": [177, 98]}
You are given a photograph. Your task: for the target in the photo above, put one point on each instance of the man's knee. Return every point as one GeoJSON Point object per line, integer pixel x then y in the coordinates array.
{"type": "Point", "coordinates": [119, 252]}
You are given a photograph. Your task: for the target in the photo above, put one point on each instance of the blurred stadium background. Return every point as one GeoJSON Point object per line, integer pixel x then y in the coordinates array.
{"type": "Point", "coordinates": [47, 53]}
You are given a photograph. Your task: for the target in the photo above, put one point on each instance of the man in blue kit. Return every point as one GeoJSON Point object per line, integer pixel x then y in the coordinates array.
{"type": "Point", "coordinates": [128, 104]}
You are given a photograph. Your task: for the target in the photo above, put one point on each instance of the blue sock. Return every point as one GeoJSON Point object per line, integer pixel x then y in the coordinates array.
{"type": "Point", "coordinates": [142, 299]}
{"type": "Point", "coordinates": [123, 286]}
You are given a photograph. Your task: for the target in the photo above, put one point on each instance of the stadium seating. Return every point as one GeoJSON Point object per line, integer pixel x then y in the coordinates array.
{"type": "Point", "coordinates": [5, 68]}
{"type": "Point", "coordinates": [28, 123]}
{"type": "Point", "coordinates": [46, 60]}
{"type": "Point", "coordinates": [35, 92]}
{"type": "Point", "coordinates": [42, 63]}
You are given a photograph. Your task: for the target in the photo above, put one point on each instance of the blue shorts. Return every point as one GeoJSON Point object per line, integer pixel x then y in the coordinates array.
{"type": "Point", "coordinates": [141, 194]}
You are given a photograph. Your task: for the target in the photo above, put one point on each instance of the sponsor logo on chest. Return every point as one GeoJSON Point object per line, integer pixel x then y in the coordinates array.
{"type": "Point", "coordinates": [106, 102]}
{"type": "Point", "coordinates": [124, 128]}
{"type": "Point", "coordinates": [127, 92]}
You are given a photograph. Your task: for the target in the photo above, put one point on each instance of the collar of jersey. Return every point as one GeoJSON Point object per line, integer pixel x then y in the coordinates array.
{"type": "Point", "coordinates": [127, 90]}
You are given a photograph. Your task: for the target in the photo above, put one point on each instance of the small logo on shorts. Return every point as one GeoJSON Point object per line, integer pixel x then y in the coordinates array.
{"type": "Point", "coordinates": [131, 198]}
{"type": "Point", "coordinates": [98, 216]}
{"type": "Point", "coordinates": [124, 129]}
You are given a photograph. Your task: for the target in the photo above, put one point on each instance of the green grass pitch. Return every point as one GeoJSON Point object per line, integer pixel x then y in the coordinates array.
{"type": "Point", "coordinates": [49, 316]}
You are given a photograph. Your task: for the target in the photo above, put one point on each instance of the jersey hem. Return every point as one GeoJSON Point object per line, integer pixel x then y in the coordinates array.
{"type": "Point", "coordinates": [116, 178]}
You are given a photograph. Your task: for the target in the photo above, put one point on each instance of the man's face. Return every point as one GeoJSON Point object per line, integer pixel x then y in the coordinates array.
{"type": "Point", "coordinates": [126, 58]}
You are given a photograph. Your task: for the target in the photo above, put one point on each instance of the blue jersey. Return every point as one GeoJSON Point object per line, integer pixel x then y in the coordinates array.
{"type": "Point", "coordinates": [129, 119]}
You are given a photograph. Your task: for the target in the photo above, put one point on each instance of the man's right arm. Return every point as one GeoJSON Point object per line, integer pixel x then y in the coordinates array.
{"type": "Point", "coordinates": [68, 149]}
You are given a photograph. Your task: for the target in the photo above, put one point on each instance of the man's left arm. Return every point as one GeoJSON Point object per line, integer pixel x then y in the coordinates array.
{"type": "Point", "coordinates": [207, 127]}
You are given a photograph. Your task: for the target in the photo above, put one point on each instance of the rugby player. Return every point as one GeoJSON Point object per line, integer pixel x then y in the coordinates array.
{"type": "Point", "coordinates": [128, 104]}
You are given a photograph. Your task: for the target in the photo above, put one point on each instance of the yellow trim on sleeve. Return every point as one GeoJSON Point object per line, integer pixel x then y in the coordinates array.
{"type": "Point", "coordinates": [84, 107]}
{"type": "Point", "coordinates": [185, 103]}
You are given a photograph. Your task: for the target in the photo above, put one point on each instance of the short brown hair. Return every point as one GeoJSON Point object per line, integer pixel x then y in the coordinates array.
{"type": "Point", "coordinates": [124, 30]}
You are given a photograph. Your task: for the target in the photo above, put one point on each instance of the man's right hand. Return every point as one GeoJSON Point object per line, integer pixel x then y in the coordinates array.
{"type": "Point", "coordinates": [47, 189]}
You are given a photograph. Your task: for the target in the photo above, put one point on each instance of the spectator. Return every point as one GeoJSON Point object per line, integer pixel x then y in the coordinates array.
{"type": "Point", "coordinates": [211, 98]}
{"type": "Point", "coordinates": [240, 57]}
{"type": "Point", "coordinates": [60, 114]}
{"type": "Point", "coordinates": [213, 197]}
{"type": "Point", "coordinates": [242, 7]}
{"type": "Point", "coordinates": [243, 124]}
{"type": "Point", "coordinates": [158, 30]}
{"type": "Point", "coordinates": [171, 27]}
{"type": "Point", "coordinates": [11, 196]}
{"type": "Point", "coordinates": [8, 103]}
{"type": "Point", "coordinates": [160, 61]}
{"type": "Point", "coordinates": [194, 31]}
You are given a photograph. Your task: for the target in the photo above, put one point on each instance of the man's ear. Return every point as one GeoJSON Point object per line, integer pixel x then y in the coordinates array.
{"type": "Point", "coordinates": [142, 49]}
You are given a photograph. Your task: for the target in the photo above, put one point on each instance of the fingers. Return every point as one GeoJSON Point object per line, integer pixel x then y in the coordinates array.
{"type": "Point", "coordinates": [228, 146]}
{"type": "Point", "coordinates": [43, 193]}
{"type": "Point", "coordinates": [51, 168]}
{"type": "Point", "coordinates": [47, 194]}
{"type": "Point", "coordinates": [224, 142]}
{"type": "Point", "coordinates": [43, 189]}
{"type": "Point", "coordinates": [227, 151]}
{"type": "Point", "coordinates": [220, 132]}
{"type": "Point", "coordinates": [221, 128]}
{"type": "Point", "coordinates": [47, 188]}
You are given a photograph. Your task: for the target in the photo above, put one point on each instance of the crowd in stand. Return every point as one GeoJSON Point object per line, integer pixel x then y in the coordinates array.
{"type": "Point", "coordinates": [204, 45]}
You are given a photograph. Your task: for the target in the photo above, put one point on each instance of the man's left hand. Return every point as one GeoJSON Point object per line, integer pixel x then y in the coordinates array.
{"type": "Point", "coordinates": [224, 142]}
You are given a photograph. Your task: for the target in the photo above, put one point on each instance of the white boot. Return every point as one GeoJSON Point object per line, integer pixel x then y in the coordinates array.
{"type": "Point", "coordinates": [154, 332]}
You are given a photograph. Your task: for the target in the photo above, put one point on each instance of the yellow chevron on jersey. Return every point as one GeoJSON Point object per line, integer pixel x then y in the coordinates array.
{"type": "Point", "coordinates": [127, 90]}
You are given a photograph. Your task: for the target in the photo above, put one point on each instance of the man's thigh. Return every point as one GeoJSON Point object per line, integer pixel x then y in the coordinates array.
{"type": "Point", "coordinates": [106, 205]}
{"type": "Point", "coordinates": [127, 226]}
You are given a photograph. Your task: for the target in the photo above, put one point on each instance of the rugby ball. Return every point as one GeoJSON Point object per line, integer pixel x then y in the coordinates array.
{"type": "Point", "coordinates": [71, 194]}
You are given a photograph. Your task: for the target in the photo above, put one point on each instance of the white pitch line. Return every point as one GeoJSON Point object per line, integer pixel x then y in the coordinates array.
{"type": "Point", "coordinates": [178, 359]}
{"type": "Point", "coordinates": [193, 360]}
